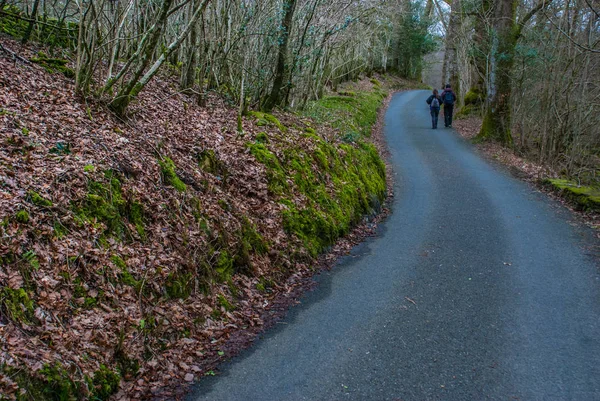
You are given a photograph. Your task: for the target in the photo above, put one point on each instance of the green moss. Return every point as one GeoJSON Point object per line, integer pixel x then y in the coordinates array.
{"type": "Point", "coordinates": [224, 302]}
{"type": "Point", "coordinates": [89, 168]}
{"type": "Point", "coordinates": [106, 203]}
{"type": "Point", "coordinates": [136, 216]}
{"type": "Point", "coordinates": [277, 181]}
{"type": "Point", "coordinates": [53, 65]}
{"type": "Point", "coordinates": [266, 119]}
{"type": "Point", "coordinates": [38, 200]}
{"type": "Point", "coordinates": [473, 97]}
{"type": "Point", "coordinates": [253, 239]}
{"type": "Point", "coordinates": [17, 305]}
{"type": "Point", "coordinates": [51, 383]}
{"type": "Point", "coordinates": [356, 172]}
{"type": "Point", "coordinates": [179, 285]}
{"type": "Point", "coordinates": [347, 93]}
{"type": "Point", "coordinates": [31, 259]}
{"type": "Point", "coordinates": [79, 291]}
{"type": "Point", "coordinates": [584, 197]}
{"type": "Point", "coordinates": [224, 205]}
{"type": "Point", "coordinates": [61, 148]}
{"type": "Point", "coordinates": [59, 229]}
{"type": "Point", "coordinates": [169, 175]}
{"type": "Point", "coordinates": [52, 32]}
{"type": "Point", "coordinates": [375, 82]}
{"type": "Point", "coordinates": [224, 266]}
{"type": "Point", "coordinates": [22, 216]}
{"type": "Point", "coordinates": [358, 175]}
{"type": "Point", "coordinates": [310, 130]}
{"type": "Point", "coordinates": [262, 137]}
{"type": "Point", "coordinates": [264, 285]}
{"type": "Point", "coordinates": [249, 241]}
{"type": "Point", "coordinates": [466, 111]}
{"type": "Point", "coordinates": [11, 26]}
{"type": "Point", "coordinates": [209, 162]}
{"type": "Point", "coordinates": [127, 366]}
{"type": "Point", "coordinates": [125, 275]}
{"type": "Point", "coordinates": [104, 383]}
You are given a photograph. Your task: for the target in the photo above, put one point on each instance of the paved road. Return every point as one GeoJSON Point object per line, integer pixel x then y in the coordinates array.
{"type": "Point", "coordinates": [476, 288]}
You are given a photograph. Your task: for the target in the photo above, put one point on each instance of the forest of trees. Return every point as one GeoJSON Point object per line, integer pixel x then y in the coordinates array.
{"type": "Point", "coordinates": [530, 68]}
{"type": "Point", "coordinates": [264, 54]}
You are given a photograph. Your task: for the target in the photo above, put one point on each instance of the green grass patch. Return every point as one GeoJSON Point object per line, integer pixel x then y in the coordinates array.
{"type": "Point", "coordinates": [350, 114]}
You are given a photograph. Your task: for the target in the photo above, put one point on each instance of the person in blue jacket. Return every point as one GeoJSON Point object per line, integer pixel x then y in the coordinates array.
{"type": "Point", "coordinates": [448, 98]}
{"type": "Point", "coordinates": [434, 101]}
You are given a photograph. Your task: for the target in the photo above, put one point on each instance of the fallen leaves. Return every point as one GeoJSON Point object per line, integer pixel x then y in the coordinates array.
{"type": "Point", "coordinates": [91, 311]}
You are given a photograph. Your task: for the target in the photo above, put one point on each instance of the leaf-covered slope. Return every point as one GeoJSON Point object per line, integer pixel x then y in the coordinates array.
{"type": "Point", "coordinates": [131, 250]}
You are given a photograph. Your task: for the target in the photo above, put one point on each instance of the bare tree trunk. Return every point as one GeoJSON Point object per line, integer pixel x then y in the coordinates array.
{"type": "Point", "coordinates": [188, 72]}
{"type": "Point", "coordinates": [450, 68]}
{"type": "Point", "coordinates": [280, 72]}
{"type": "Point", "coordinates": [33, 19]}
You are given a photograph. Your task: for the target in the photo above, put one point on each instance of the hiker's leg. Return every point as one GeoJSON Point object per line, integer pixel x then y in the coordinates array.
{"type": "Point", "coordinates": [446, 113]}
{"type": "Point", "coordinates": [450, 112]}
{"type": "Point", "coordinates": [435, 114]}
{"type": "Point", "coordinates": [432, 118]}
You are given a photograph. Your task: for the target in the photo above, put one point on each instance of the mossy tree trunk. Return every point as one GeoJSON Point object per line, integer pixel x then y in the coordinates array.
{"type": "Point", "coordinates": [33, 18]}
{"type": "Point", "coordinates": [481, 50]}
{"type": "Point", "coordinates": [281, 70]}
{"type": "Point", "coordinates": [505, 34]}
{"type": "Point", "coordinates": [497, 121]}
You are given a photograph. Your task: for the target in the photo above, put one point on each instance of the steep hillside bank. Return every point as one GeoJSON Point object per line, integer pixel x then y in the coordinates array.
{"type": "Point", "coordinates": [132, 250]}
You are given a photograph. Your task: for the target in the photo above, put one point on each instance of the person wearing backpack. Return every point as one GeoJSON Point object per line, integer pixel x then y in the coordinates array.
{"type": "Point", "coordinates": [434, 101]}
{"type": "Point", "coordinates": [448, 98]}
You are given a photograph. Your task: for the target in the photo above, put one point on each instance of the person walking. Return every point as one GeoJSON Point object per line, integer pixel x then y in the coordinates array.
{"type": "Point", "coordinates": [434, 101]}
{"type": "Point", "coordinates": [448, 98]}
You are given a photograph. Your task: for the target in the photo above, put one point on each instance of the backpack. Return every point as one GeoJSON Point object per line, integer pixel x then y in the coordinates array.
{"type": "Point", "coordinates": [435, 103]}
{"type": "Point", "coordinates": [449, 98]}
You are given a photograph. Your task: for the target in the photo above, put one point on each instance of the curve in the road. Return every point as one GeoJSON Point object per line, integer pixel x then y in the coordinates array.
{"type": "Point", "coordinates": [477, 287]}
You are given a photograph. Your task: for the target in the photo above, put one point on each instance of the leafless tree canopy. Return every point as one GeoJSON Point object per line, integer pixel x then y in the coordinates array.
{"type": "Point", "coordinates": [283, 51]}
{"type": "Point", "coordinates": [533, 73]}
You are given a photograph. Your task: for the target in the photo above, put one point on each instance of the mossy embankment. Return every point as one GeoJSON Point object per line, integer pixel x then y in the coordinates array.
{"type": "Point", "coordinates": [131, 252]}
{"type": "Point", "coordinates": [585, 198]}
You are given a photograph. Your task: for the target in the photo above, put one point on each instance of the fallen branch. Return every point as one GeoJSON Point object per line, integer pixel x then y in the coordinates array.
{"type": "Point", "coordinates": [14, 55]}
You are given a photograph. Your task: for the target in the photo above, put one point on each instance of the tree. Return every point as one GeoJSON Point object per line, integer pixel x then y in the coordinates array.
{"type": "Point", "coordinates": [505, 34]}
{"type": "Point", "coordinates": [450, 74]}
{"type": "Point", "coordinates": [289, 6]}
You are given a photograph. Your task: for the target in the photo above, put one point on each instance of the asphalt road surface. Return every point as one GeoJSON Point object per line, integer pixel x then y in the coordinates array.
{"type": "Point", "coordinates": [477, 287]}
